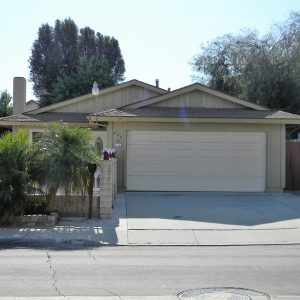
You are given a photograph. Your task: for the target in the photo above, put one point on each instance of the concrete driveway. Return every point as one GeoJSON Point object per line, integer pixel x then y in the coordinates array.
{"type": "Point", "coordinates": [212, 218]}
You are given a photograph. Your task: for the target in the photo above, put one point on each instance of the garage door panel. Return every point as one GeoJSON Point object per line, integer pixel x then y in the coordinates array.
{"type": "Point", "coordinates": [180, 137]}
{"type": "Point", "coordinates": [246, 137]}
{"type": "Point", "coordinates": [177, 152]}
{"type": "Point", "coordinates": [139, 138]}
{"type": "Point", "coordinates": [189, 183]}
{"type": "Point", "coordinates": [179, 168]}
{"type": "Point", "coordinates": [144, 168]}
{"type": "Point", "coordinates": [196, 161]}
{"type": "Point", "coordinates": [206, 170]}
{"type": "Point", "coordinates": [211, 154]}
{"type": "Point", "coordinates": [142, 151]}
{"type": "Point", "coordinates": [246, 155]}
{"type": "Point", "coordinates": [247, 171]}
{"type": "Point", "coordinates": [211, 137]}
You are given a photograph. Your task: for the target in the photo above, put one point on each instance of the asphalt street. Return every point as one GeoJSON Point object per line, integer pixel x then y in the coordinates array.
{"type": "Point", "coordinates": [148, 271]}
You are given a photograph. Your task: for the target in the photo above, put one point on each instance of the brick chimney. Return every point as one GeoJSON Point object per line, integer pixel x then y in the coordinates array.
{"type": "Point", "coordinates": [19, 95]}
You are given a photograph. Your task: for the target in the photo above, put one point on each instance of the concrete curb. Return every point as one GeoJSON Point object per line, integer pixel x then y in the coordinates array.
{"type": "Point", "coordinates": [79, 243]}
{"type": "Point", "coordinates": [26, 242]}
{"type": "Point", "coordinates": [47, 243]}
{"type": "Point", "coordinates": [119, 297]}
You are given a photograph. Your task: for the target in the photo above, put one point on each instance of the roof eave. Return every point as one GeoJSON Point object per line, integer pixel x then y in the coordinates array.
{"type": "Point", "coordinates": [43, 124]}
{"type": "Point", "coordinates": [191, 120]}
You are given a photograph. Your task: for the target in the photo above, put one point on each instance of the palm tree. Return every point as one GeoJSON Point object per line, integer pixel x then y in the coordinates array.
{"type": "Point", "coordinates": [67, 153]}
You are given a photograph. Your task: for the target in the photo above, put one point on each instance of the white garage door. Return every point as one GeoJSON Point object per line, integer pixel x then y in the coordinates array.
{"type": "Point", "coordinates": [196, 161]}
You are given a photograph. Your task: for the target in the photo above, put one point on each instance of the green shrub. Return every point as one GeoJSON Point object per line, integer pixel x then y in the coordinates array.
{"type": "Point", "coordinates": [15, 180]}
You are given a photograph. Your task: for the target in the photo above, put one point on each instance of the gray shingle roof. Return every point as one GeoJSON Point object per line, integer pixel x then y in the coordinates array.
{"type": "Point", "coordinates": [153, 112]}
{"type": "Point", "coordinates": [48, 117]}
{"type": "Point", "coordinates": [166, 112]}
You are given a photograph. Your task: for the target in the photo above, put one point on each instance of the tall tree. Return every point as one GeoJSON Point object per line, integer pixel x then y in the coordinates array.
{"type": "Point", "coordinates": [108, 47]}
{"type": "Point", "coordinates": [66, 46]}
{"type": "Point", "coordinates": [44, 64]}
{"type": "Point", "coordinates": [60, 52]}
{"type": "Point", "coordinates": [79, 82]}
{"type": "Point", "coordinates": [261, 69]}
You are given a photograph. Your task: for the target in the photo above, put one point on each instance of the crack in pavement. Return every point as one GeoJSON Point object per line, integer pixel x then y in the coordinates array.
{"type": "Point", "coordinates": [54, 284]}
{"type": "Point", "coordinates": [193, 231]}
{"type": "Point", "coordinates": [91, 255]}
{"type": "Point", "coordinates": [113, 293]}
{"type": "Point", "coordinates": [27, 233]}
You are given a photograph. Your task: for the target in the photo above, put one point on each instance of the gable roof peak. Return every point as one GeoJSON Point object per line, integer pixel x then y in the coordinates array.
{"type": "Point", "coordinates": [125, 84]}
{"type": "Point", "coordinates": [190, 88]}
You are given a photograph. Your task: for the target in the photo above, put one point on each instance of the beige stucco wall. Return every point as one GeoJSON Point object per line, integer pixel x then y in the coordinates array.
{"type": "Point", "coordinates": [275, 134]}
{"type": "Point", "coordinates": [197, 99]}
{"type": "Point", "coordinates": [110, 100]}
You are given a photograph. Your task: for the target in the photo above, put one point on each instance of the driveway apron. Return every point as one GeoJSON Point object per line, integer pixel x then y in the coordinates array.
{"type": "Point", "coordinates": [193, 218]}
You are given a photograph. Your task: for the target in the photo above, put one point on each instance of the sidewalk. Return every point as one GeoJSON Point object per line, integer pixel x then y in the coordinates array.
{"type": "Point", "coordinates": [95, 232]}
{"type": "Point", "coordinates": [73, 231]}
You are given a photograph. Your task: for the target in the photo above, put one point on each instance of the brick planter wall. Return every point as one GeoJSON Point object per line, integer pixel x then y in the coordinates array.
{"type": "Point", "coordinates": [46, 220]}
{"type": "Point", "coordinates": [74, 205]}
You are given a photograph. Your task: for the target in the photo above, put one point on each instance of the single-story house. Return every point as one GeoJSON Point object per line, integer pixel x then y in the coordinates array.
{"type": "Point", "coordinates": [190, 139]}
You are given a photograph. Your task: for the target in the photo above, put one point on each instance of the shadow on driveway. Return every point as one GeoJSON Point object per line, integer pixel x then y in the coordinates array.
{"type": "Point", "coordinates": [203, 210]}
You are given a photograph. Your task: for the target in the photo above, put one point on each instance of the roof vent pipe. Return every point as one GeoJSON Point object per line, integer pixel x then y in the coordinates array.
{"type": "Point", "coordinates": [19, 95]}
{"type": "Point", "coordinates": [157, 83]}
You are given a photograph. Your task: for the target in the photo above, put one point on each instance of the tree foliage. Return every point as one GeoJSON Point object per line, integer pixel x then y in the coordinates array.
{"type": "Point", "coordinates": [79, 82]}
{"type": "Point", "coordinates": [264, 69]}
{"type": "Point", "coordinates": [5, 101]}
{"type": "Point", "coordinates": [61, 52]}
{"type": "Point", "coordinates": [67, 153]}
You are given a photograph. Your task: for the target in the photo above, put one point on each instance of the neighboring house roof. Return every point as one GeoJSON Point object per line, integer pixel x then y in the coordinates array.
{"type": "Point", "coordinates": [47, 117]}
{"type": "Point", "coordinates": [190, 88]}
{"type": "Point", "coordinates": [101, 92]}
{"type": "Point", "coordinates": [31, 105]}
{"type": "Point", "coordinates": [200, 113]}
{"type": "Point", "coordinates": [32, 102]}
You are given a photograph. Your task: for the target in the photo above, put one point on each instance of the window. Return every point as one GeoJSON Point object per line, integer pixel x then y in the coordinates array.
{"type": "Point", "coordinates": [35, 135]}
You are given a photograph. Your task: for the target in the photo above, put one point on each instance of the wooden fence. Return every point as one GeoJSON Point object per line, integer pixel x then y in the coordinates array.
{"type": "Point", "coordinates": [293, 165]}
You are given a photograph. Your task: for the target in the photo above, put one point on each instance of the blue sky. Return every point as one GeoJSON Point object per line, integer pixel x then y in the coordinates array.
{"type": "Point", "coordinates": [158, 38]}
